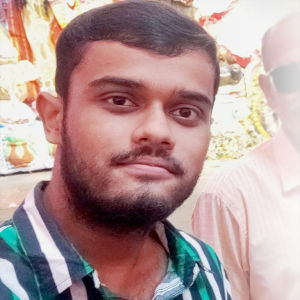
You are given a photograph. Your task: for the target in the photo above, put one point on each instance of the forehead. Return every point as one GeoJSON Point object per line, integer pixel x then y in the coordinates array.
{"type": "Point", "coordinates": [283, 44]}
{"type": "Point", "coordinates": [191, 70]}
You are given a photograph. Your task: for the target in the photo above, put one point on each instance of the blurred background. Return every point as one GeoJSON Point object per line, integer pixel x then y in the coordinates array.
{"type": "Point", "coordinates": [29, 30]}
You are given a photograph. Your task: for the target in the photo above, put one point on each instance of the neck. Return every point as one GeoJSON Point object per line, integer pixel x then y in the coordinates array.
{"type": "Point", "coordinates": [57, 203]}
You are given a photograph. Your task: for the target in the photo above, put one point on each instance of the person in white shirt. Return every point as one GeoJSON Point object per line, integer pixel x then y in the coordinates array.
{"type": "Point", "coordinates": [250, 211]}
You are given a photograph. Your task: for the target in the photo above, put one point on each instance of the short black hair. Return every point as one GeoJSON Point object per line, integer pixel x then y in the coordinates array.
{"type": "Point", "coordinates": [149, 25]}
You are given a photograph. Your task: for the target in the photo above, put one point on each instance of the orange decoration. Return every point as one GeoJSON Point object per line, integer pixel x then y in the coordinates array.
{"type": "Point", "coordinates": [20, 42]}
{"type": "Point", "coordinates": [55, 31]}
{"type": "Point", "coordinates": [17, 160]}
{"type": "Point", "coordinates": [17, 32]}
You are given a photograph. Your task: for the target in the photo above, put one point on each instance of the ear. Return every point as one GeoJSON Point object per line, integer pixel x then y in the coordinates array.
{"type": "Point", "coordinates": [268, 89]}
{"type": "Point", "coordinates": [50, 109]}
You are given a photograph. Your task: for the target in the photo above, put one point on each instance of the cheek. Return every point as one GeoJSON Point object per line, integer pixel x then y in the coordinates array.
{"type": "Point", "coordinates": [289, 110]}
{"type": "Point", "coordinates": [97, 127]}
{"type": "Point", "coordinates": [287, 102]}
{"type": "Point", "coordinates": [102, 142]}
{"type": "Point", "coordinates": [198, 155]}
{"type": "Point", "coordinates": [88, 140]}
{"type": "Point", "coordinates": [194, 150]}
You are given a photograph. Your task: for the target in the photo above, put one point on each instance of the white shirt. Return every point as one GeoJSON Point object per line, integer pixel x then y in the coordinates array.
{"type": "Point", "coordinates": [250, 214]}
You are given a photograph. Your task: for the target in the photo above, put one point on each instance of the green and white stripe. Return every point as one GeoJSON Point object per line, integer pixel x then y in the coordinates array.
{"type": "Point", "coordinates": [37, 262]}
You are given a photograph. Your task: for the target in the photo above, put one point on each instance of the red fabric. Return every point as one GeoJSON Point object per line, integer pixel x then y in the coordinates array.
{"type": "Point", "coordinates": [213, 19]}
{"type": "Point", "coordinates": [17, 32]}
{"type": "Point", "coordinates": [242, 61]}
{"type": "Point", "coordinates": [19, 39]}
{"type": "Point", "coordinates": [55, 31]}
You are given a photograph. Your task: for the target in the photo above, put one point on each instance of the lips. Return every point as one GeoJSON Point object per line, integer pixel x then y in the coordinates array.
{"type": "Point", "coordinates": [152, 165]}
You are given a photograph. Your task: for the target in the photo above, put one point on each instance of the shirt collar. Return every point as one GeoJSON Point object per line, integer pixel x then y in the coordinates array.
{"type": "Point", "coordinates": [288, 161]}
{"type": "Point", "coordinates": [57, 264]}
{"type": "Point", "coordinates": [186, 260]}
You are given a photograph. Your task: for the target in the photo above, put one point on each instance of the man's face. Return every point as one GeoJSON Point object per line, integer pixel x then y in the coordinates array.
{"type": "Point", "coordinates": [136, 132]}
{"type": "Point", "coordinates": [283, 50]}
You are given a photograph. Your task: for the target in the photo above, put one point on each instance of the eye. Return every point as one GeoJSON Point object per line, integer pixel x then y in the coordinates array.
{"type": "Point", "coordinates": [187, 115]}
{"type": "Point", "coordinates": [120, 101]}
{"type": "Point", "coordinates": [184, 112]}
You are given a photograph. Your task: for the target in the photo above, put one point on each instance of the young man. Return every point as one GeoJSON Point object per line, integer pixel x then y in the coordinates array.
{"type": "Point", "coordinates": [250, 212]}
{"type": "Point", "coordinates": [136, 83]}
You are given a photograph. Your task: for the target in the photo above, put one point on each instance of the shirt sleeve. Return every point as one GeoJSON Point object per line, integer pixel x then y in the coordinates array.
{"type": "Point", "coordinates": [223, 227]}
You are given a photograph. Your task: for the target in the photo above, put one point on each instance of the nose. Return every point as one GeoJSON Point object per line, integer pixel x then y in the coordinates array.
{"type": "Point", "coordinates": [154, 129]}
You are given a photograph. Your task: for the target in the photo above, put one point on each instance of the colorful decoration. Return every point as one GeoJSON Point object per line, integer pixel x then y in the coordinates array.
{"type": "Point", "coordinates": [19, 155]}
{"type": "Point", "coordinates": [242, 117]}
{"type": "Point", "coordinates": [215, 17]}
{"type": "Point", "coordinates": [18, 35]}
{"type": "Point", "coordinates": [23, 148]}
{"type": "Point", "coordinates": [55, 31]}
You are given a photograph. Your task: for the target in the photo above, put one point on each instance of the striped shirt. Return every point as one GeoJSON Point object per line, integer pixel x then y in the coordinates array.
{"type": "Point", "coordinates": [38, 262]}
{"type": "Point", "coordinates": [250, 213]}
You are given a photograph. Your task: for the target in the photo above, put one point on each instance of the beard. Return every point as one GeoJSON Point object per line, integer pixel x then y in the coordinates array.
{"type": "Point", "coordinates": [97, 200]}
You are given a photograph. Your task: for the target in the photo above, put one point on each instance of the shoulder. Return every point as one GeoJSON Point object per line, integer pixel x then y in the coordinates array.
{"type": "Point", "coordinates": [232, 179]}
{"type": "Point", "coordinates": [14, 265]}
{"type": "Point", "coordinates": [192, 247]}
{"type": "Point", "coordinates": [9, 240]}
{"type": "Point", "coordinates": [211, 270]}
{"type": "Point", "coordinates": [202, 251]}
{"type": "Point", "coordinates": [11, 251]}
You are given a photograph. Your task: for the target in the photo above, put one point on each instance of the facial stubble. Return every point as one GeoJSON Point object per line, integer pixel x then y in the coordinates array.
{"type": "Point", "coordinates": [89, 191]}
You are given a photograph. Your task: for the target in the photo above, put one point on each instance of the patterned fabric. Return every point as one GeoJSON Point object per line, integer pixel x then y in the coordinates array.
{"type": "Point", "coordinates": [37, 262]}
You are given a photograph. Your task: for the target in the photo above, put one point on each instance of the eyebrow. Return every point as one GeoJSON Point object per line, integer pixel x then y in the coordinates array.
{"type": "Point", "coordinates": [129, 83]}
{"type": "Point", "coordinates": [115, 81]}
{"type": "Point", "coordinates": [191, 95]}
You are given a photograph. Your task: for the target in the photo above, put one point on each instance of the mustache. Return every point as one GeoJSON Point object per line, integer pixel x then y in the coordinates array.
{"type": "Point", "coordinates": [128, 157]}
